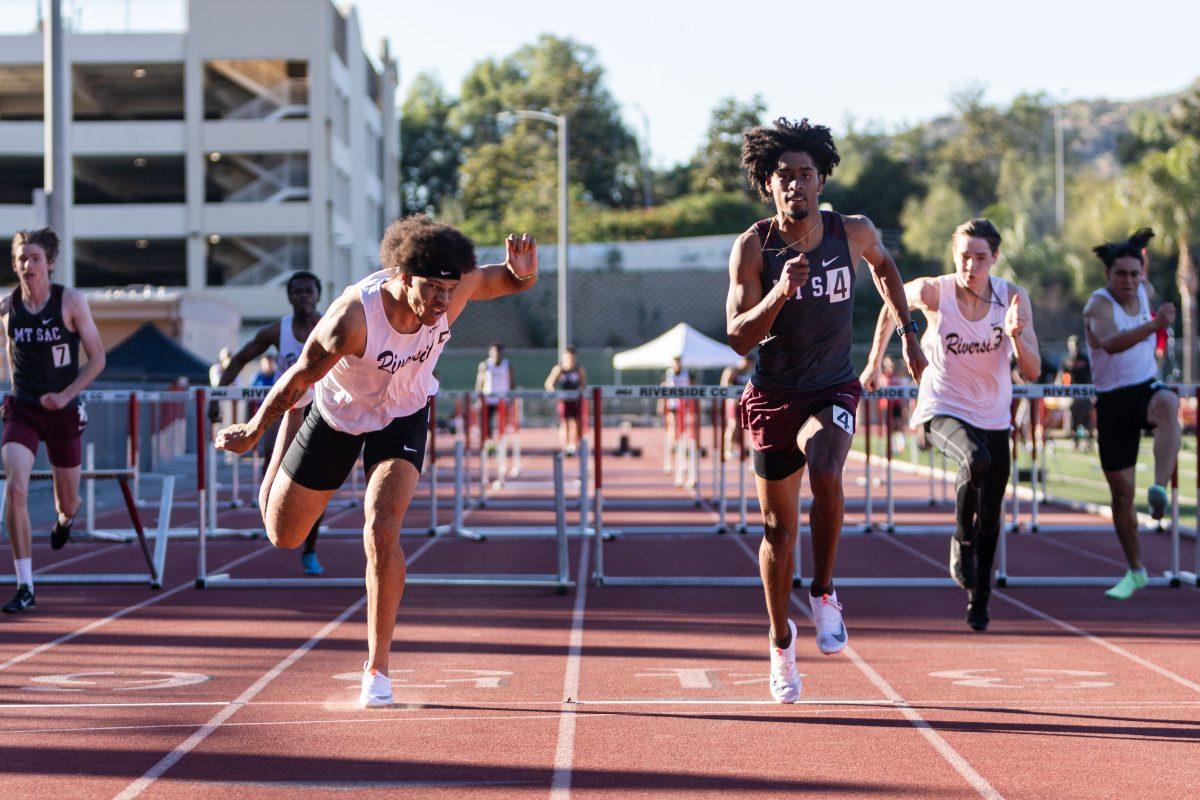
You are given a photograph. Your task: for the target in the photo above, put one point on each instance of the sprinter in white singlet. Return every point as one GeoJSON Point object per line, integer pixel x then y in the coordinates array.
{"type": "Point", "coordinates": [287, 335]}
{"type": "Point", "coordinates": [494, 379]}
{"type": "Point", "coordinates": [372, 358]}
{"type": "Point", "coordinates": [977, 322]}
{"type": "Point", "coordinates": [1120, 335]}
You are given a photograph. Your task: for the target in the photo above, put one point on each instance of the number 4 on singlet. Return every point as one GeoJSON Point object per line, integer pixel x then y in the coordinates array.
{"type": "Point", "coordinates": [62, 355]}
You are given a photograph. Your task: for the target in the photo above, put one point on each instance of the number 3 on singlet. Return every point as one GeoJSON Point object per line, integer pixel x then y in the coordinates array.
{"type": "Point", "coordinates": [62, 355]}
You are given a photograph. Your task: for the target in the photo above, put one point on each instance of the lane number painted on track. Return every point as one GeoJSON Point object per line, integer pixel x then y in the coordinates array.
{"type": "Point", "coordinates": [409, 678]}
{"type": "Point", "coordinates": [702, 677]}
{"type": "Point", "coordinates": [1026, 678]}
{"type": "Point", "coordinates": [128, 680]}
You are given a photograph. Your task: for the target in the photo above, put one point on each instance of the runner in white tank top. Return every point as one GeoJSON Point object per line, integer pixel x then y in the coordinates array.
{"type": "Point", "coordinates": [976, 324]}
{"type": "Point", "coordinates": [287, 336]}
{"type": "Point", "coordinates": [1120, 334]}
{"type": "Point", "coordinates": [494, 380]}
{"type": "Point", "coordinates": [374, 353]}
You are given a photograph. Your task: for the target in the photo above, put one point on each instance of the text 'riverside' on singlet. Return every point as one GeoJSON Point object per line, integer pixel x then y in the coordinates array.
{"type": "Point", "coordinates": [808, 346]}
{"type": "Point", "coordinates": [45, 354]}
{"type": "Point", "coordinates": [968, 376]}
{"type": "Point", "coordinates": [1129, 367]}
{"type": "Point", "coordinates": [289, 353]}
{"type": "Point", "coordinates": [394, 377]}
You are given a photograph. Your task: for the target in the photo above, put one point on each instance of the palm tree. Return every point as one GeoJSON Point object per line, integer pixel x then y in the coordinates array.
{"type": "Point", "coordinates": [1166, 186]}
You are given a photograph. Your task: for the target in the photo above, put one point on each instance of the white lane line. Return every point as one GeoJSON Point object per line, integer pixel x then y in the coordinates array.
{"type": "Point", "coordinates": [564, 751]}
{"type": "Point", "coordinates": [83, 557]}
{"type": "Point", "coordinates": [91, 626]}
{"type": "Point", "coordinates": [952, 757]}
{"type": "Point", "coordinates": [373, 720]}
{"type": "Point", "coordinates": [170, 759]}
{"type": "Point", "coordinates": [1066, 626]}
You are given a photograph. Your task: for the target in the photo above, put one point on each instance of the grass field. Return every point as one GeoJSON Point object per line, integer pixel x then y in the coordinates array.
{"type": "Point", "coordinates": [1077, 475]}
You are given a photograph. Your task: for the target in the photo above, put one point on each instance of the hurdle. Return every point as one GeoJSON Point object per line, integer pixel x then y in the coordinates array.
{"type": "Point", "coordinates": [559, 580]}
{"type": "Point", "coordinates": [155, 563]}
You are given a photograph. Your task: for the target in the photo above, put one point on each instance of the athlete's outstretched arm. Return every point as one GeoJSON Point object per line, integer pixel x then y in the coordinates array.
{"type": "Point", "coordinates": [866, 240]}
{"type": "Point", "coordinates": [517, 274]}
{"type": "Point", "coordinates": [265, 337]}
{"type": "Point", "coordinates": [921, 294]}
{"type": "Point", "coordinates": [79, 314]}
{"type": "Point", "coordinates": [341, 332]}
{"type": "Point", "coordinates": [750, 312]}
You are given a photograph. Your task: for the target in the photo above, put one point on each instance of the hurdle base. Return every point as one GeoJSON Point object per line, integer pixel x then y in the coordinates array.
{"type": "Point", "coordinates": [99, 579]}
{"type": "Point", "coordinates": [1167, 579]}
{"type": "Point", "coordinates": [420, 579]}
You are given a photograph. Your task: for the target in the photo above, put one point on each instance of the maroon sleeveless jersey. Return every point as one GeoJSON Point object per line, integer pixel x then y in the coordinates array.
{"type": "Point", "coordinates": [45, 354]}
{"type": "Point", "coordinates": [808, 346]}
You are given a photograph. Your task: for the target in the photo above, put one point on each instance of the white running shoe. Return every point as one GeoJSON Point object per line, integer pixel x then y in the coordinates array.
{"type": "Point", "coordinates": [785, 679]}
{"type": "Point", "coordinates": [376, 688]}
{"type": "Point", "coordinates": [831, 630]}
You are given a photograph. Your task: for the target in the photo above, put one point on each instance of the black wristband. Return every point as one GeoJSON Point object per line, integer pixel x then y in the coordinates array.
{"type": "Point", "coordinates": [911, 327]}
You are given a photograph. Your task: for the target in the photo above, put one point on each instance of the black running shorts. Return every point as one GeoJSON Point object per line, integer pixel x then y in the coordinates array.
{"type": "Point", "coordinates": [321, 458]}
{"type": "Point", "coordinates": [1120, 420]}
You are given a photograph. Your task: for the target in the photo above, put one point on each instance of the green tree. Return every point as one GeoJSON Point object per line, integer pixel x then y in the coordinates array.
{"type": "Point", "coordinates": [1166, 184]}
{"type": "Point", "coordinates": [716, 167]}
{"type": "Point", "coordinates": [929, 222]}
{"type": "Point", "coordinates": [430, 149]}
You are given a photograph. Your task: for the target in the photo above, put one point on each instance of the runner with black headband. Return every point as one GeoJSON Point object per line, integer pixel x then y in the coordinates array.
{"type": "Point", "coordinates": [977, 324]}
{"type": "Point", "coordinates": [372, 358]}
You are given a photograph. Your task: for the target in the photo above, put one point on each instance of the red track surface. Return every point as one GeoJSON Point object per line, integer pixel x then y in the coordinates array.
{"type": "Point", "coordinates": [607, 691]}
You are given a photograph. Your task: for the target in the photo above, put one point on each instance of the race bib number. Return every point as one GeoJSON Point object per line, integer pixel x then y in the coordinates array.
{"type": "Point", "coordinates": [843, 419]}
{"type": "Point", "coordinates": [62, 355]}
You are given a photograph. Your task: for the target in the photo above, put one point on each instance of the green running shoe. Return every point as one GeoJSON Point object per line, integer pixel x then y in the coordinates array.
{"type": "Point", "coordinates": [1134, 579]}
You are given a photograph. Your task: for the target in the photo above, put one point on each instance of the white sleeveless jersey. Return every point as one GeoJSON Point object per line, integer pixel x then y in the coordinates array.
{"type": "Point", "coordinates": [495, 377]}
{"type": "Point", "coordinates": [684, 378]}
{"type": "Point", "coordinates": [1135, 365]}
{"type": "Point", "coordinates": [394, 377]}
{"type": "Point", "coordinates": [289, 354]}
{"type": "Point", "coordinates": [969, 376]}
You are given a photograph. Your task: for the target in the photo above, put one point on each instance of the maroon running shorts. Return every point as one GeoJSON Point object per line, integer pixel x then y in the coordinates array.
{"type": "Point", "coordinates": [61, 430]}
{"type": "Point", "coordinates": [570, 409]}
{"type": "Point", "coordinates": [774, 418]}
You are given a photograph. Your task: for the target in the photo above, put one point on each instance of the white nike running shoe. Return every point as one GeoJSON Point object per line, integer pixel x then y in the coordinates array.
{"type": "Point", "coordinates": [785, 678]}
{"type": "Point", "coordinates": [831, 630]}
{"type": "Point", "coordinates": [376, 688]}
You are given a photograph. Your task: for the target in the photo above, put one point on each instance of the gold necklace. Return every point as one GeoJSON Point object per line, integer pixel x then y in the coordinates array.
{"type": "Point", "coordinates": [779, 251]}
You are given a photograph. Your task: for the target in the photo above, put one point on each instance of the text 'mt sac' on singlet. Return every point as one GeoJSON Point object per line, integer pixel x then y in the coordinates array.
{"type": "Point", "coordinates": [45, 354]}
{"type": "Point", "coordinates": [394, 377]}
{"type": "Point", "coordinates": [968, 376]}
{"type": "Point", "coordinates": [808, 346]}
{"type": "Point", "coordinates": [1129, 367]}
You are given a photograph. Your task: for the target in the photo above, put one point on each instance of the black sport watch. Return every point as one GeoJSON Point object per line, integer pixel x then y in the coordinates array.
{"type": "Point", "coordinates": [911, 327]}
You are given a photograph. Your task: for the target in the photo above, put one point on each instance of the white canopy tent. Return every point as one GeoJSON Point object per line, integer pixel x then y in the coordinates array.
{"type": "Point", "coordinates": [697, 351]}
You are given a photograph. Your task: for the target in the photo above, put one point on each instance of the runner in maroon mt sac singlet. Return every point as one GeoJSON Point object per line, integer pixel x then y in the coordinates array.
{"type": "Point", "coordinates": [791, 294]}
{"type": "Point", "coordinates": [45, 324]}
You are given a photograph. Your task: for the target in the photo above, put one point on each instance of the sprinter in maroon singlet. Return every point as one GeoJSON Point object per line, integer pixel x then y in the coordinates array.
{"type": "Point", "coordinates": [45, 323]}
{"type": "Point", "coordinates": [791, 293]}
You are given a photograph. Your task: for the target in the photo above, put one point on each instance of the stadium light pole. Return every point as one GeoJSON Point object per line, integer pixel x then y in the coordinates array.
{"type": "Point", "coordinates": [57, 173]}
{"type": "Point", "coordinates": [559, 120]}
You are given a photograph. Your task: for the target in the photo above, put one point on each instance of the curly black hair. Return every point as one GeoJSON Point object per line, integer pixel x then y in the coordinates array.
{"type": "Point", "coordinates": [1132, 247]}
{"type": "Point", "coordinates": [303, 275]}
{"type": "Point", "coordinates": [762, 146]}
{"type": "Point", "coordinates": [417, 245]}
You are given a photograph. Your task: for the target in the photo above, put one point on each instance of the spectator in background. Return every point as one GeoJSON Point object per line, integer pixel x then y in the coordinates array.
{"type": "Point", "coordinates": [266, 372]}
{"type": "Point", "coordinates": [218, 368]}
{"type": "Point", "coordinates": [736, 375]}
{"type": "Point", "coordinates": [494, 379]}
{"type": "Point", "coordinates": [568, 376]}
{"type": "Point", "coordinates": [1076, 370]}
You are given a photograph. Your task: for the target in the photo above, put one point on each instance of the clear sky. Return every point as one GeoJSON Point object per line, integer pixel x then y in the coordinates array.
{"type": "Point", "coordinates": [870, 60]}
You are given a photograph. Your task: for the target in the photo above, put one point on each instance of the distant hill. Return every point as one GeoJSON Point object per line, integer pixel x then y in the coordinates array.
{"type": "Point", "coordinates": [1092, 127]}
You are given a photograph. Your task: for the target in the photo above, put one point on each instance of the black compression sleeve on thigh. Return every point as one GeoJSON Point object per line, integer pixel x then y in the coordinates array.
{"type": "Point", "coordinates": [775, 465]}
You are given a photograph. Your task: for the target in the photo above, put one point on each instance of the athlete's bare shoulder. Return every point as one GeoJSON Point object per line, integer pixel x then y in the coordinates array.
{"type": "Point", "coordinates": [343, 328]}
{"type": "Point", "coordinates": [859, 228]}
{"type": "Point", "coordinates": [6, 303]}
{"type": "Point", "coordinates": [747, 252]}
